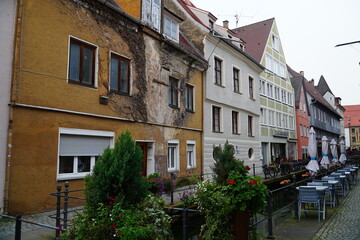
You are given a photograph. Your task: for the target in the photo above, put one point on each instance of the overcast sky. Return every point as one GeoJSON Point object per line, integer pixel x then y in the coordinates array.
{"type": "Point", "coordinates": [309, 31]}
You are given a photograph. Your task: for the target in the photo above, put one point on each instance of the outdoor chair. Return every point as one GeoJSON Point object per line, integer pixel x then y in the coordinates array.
{"type": "Point", "coordinates": [331, 191]}
{"type": "Point", "coordinates": [309, 196]}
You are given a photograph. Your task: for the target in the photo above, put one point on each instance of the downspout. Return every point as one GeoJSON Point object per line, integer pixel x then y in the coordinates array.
{"type": "Point", "coordinates": [14, 94]}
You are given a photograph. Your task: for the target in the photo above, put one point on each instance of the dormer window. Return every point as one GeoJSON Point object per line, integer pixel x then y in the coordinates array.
{"type": "Point", "coordinates": [171, 28]}
{"type": "Point", "coordinates": [211, 24]}
{"type": "Point", "coordinates": [171, 25]}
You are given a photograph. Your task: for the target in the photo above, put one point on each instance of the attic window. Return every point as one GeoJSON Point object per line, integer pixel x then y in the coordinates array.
{"type": "Point", "coordinates": [275, 42]}
{"type": "Point", "coordinates": [171, 28]}
{"type": "Point", "coordinates": [211, 24]}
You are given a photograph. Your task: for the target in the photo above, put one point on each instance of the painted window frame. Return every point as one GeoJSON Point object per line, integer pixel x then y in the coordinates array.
{"type": "Point", "coordinates": [218, 72]}
{"type": "Point", "coordinates": [174, 145]}
{"type": "Point", "coordinates": [80, 132]}
{"type": "Point", "coordinates": [275, 43]}
{"type": "Point", "coordinates": [250, 126]}
{"type": "Point", "coordinates": [251, 81]}
{"type": "Point", "coordinates": [270, 92]}
{"type": "Point", "coordinates": [173, 92]}
{"type": "Point", "coordinates": [263, 86]}
{"type": "Point", "coordinates": [235, 122]}
{"type": "Point", "coordinates": [94, 66]}
{"type": "Point", "coordinates": [193, 154]}
{"type": "Point", "coordinates": [120, 59]}
{"type": "Point", "coordinates": [173, 28]}
{"type": "Point", "coordinates": [151, 13]}
{"type": "Point", "coordinates": [216, 113]}
{"type": "Point", "coordinates": [190, 102]}
{"type": "Point", "coordinates": [236, 80]}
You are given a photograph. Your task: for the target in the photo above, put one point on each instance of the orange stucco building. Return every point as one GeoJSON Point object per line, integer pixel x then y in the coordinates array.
{"type": "Point", "coordinates": [85, 71]}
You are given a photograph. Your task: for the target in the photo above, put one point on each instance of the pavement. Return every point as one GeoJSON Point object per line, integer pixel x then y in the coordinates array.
{"type": "Point", "coordinates": [342, 222]}
{"type": "Point", "coordinates": [31, 231]}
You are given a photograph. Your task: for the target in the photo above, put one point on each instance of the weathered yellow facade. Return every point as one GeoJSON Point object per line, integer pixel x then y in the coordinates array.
{"type": "Point", "coordinates": [44, 101]}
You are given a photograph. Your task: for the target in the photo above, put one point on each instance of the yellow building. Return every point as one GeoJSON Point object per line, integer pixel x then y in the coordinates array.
{"type": "Point", "coordinates": [85, 71]}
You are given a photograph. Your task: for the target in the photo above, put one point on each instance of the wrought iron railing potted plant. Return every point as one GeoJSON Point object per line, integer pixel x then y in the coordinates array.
{"type": "Point", "coordinates": [229, 198]}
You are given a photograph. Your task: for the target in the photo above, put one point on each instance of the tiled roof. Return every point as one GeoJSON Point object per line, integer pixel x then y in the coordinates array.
{"type": "Point", "coordinates": [255, 35]}
{"type": "Point", "coordinates": [185, 4]}
{"type": "Point", "coordinates": [309, 87]}
{"type": "Point", "coordinates": [354, 112]}
{"type": "Point", "coordinates": [186, 44]}
{"type": "Point", "coordinates": [323, 87]}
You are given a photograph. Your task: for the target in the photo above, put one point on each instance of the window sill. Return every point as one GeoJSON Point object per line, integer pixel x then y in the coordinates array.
{"type": "Point", "coordinates": [217, 131]}
{"type": "Point", "coordinates": [81, 84]}
{"type": "Point", "coordinates": [236, 134]}
{"type": "Point", "coordinates": [173, 170]}
{"type": "Point", "coordinates": [190, 111]}
{"type": "Point", "coordinates": [174, 107]}
{"type": "Point", "coordinates": [191, 167]}
{"type": "Point", "coordinates": [71, 176]}
{"type": "Point", "coordinates": [119, 93]}
{"type": "Point", "coordinates": [238, 92]}
{"type": "Point", "coordinates": [253, 99]}
{"type": "Point", "coordinates": [219, 85]}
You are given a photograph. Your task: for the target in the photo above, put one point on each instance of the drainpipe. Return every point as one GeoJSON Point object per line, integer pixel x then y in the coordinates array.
{"type": "Point", "coordinates": [14, 93]}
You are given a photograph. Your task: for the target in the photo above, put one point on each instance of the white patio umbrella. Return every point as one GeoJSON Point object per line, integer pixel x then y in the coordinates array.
{"type": "Point", "coordinates": [342, 152]}
{"type": "Point", "coordinates": [334, 152]}
{"type": "Point", "coordinates": [313, 165]}
{"type": "Point", "coordinates": [325, 157]}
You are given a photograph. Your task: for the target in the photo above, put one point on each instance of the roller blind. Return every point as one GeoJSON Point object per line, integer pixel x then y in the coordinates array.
{"type": "Point", "coordinates": [80, 145]}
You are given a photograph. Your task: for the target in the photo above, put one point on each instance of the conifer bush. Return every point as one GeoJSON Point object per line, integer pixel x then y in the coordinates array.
{"type": "Point", "coordinates": [116, 175]}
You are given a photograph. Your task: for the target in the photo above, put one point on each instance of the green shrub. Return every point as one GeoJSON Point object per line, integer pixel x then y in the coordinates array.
{"type": "Point", "coordinates": [117, 175]}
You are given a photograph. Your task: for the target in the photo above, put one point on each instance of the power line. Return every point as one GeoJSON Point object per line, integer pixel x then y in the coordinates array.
{"type": "Point", "coordinates": [343, 44]}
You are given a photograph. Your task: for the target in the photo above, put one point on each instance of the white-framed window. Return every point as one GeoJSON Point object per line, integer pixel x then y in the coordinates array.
{"type": "Point", "coordinates": [151, 13]}
{"type": "Point", "coordinates": [173, 92]}
{"type": "Point", "coordinates": [275, 43]}
{"type": "Point", "coordinates": [270, 90]}
{"type": "Point", "coordinates": [171, 28]}
{"type": "Point", "coordinates": [277, 93]}
{"type": "Point", "coordinates": [282, 70]}
{"type": "Point", "coordinates": [262, 87]}
{"type": "Point", "coordinates": [218, 71]}
{"type": "Point", "coordinates": [263, 116]}
{"type": "Point", "coordinates": [289, 98]}
{"type": "Point", "coordinates": [291, 123]}
{"type": "Point", "coordinates": [235, 122]}
{"type": "Point", "coordinates": [276, 67]}
{"type": "Point", "coordinates": [269, 63]}
{"type": "Point", "coordinates": [216, 119]}
{"type": "Point", "coordinates": [173, 156]}
{"type": "Point", "coordinates": [283, 96]}
{"type": "Point", "coordinates": [191, 154]}
{"type": "Point", "coordinates": [79, 150]}
{"type": "Point", "coordinates": [271, 118]}
{"type": "Point", "coordinates": [278, 119]}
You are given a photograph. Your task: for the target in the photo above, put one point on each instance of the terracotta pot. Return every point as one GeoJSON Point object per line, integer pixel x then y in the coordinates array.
{"type": "Point", "coordinates": [240, 225]}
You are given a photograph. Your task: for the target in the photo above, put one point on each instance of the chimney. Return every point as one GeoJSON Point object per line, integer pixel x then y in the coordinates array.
{"type": "Point", "coordinates": [311, 82]}
{"type": "Point", "coordinates": [302, 73]}
{"type": "Point", "coordinates": [226, 24]}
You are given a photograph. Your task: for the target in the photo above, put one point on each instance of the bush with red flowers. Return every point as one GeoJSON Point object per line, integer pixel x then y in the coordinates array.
{"type": "Point", "coordinates": [231, 190]}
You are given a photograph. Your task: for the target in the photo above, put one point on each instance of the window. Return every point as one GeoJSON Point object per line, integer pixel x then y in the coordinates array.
{"type": "Point", "coordinates": [250, 126]}
{"type": "Point", "coordinates": [151, 13]}
{"type": "Point", "coordinates": [173, 92]}
{"type": "Point", "coordinates": [218, 72]}
{"type": "Point", "coordinates": [236, 80]}
{"type": "Point", "coordinates": [285, 121]}
{"type": "Point", "coordinates": [82, 63]}
{"type": "Point", "coordinates": [277, 93]}
{"type": "Point", "coordinates": [270, 90]}
{"type": "Point", "coordinates": [276, 67]}
{"type": "Point", "coordinates": [79, 150]}
{"type": "Point", "coordinates": [119, 74]}
{"type": "Point", "coordinates": [269, 63]}
{"type": "Point", "coordinates": [301, 130]}
{"type": "Point", "coordinates": [173, 155]}
{"type": "Point", "coordinates": [171, 29]}
{"type": "Point", "coordinates": [282, 70]}
{"type": "Point", "coordinates": [262, 87]}
{"type": "Point", "coordinates": [278, 119]}
{"type": "Point", "coordinates": [189, 97]}
{"type": "Point", "coordinates": [191, 154]}
{"type": "Point", "coordinates": [251, 87]}
{"type": "Point", "coordinates": [275, 42]}
{"type": "Point", "coordinates": [216, 119]}
{"type": "Point", "coordinates": [235, 122]}
{"type": "Point", "coordinates": [263, 116]}
{"type": "Point", "coordinates": [271, 118]}
{"type": "Point", "coordinates": [211, 24]}
{"type": "Point", "coordinates": [289, 98]}
{"type": "Point", "coordinates": [283, 96]}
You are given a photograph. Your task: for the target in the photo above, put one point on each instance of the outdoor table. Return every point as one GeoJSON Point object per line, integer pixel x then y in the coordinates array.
{"type": "Point", "coordinates": [319, 189]}
{"type": "Point", "coordinates": [347, 174]}
{"type": "Point", "coordinates": [342, 178]}
{"type": "Point", "coordinates": [333, 191]}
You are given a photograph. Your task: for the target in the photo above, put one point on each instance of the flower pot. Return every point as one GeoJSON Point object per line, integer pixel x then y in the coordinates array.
{"type": "Point", "coordinates": [240, 225]}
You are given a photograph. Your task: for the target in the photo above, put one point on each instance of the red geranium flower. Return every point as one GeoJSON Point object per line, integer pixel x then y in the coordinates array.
{"type": "Point", "coordinates": [231, 181]}
{"type": "Point", "coordinates": [113, 225]}
{"type": "Point", "coordinates": [247, 167]}
{"type": "Point", "coordinates": [253, 182]}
